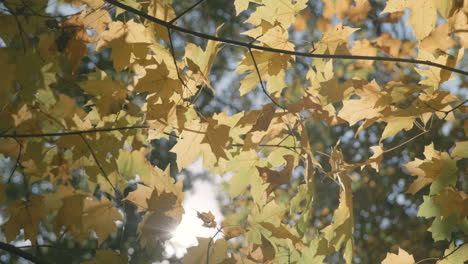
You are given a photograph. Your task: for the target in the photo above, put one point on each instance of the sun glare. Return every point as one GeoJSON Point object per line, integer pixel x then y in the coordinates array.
{"type": "Point", "coordinates": [202, 199]}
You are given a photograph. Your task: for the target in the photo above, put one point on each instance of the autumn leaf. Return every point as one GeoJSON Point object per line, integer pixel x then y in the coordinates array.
{"type": "Point", "coordinates": [232, 232]}
{"type": "Point", "coordinates": [402, 258]}
{"type": "Point", "coordinates": [207, 218]}
{"type": "Point", "coordinates": [277, 178]}
{"type": "Point", "coordinates": [25, 215]}
{"type": "Point", "coordinates": [207, 251]}
{"type": "Point", "coordinates": [422, 17]}
{"type": "Point", "coordinates": [100, 216]}
{"type": "Point", "coordinates": [140, 197]}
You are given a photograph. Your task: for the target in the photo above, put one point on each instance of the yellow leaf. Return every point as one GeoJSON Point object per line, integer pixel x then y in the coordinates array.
{"type": "Point", "coordinates": [423, 14]}
{"type": "Point", "coordinates": [128, 41]}
{"type": "Point", "coordinates": [157, 80]}
{"type": "Point", "coordinates": [460, 150]}
{"type": "Point", "coordinates": [371, 105]}
{"type": "Point", "coordinates": [364, 48]}
{"type": "Point", "coordinates": [455, 255]}
{"type": "Point", "coordinates": [335, 39]}
{"type": "Point", "coordinates": [439, 39]}
{"type": "Point", "coordinates": [402, 258]}
{"type": "Point", "coordinates": [282, 12]}
{"type": "Point", "coordinates": [241, 5]}
{"type": "Point", "coordinates": [140, 197]}
{"type": "Point", "coordinates": [395, 124]}
{"type": "Point", "coordinates": [216, 253]}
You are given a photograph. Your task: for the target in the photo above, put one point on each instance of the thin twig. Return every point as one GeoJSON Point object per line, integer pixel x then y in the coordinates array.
{"type": "Point", "coordinates": [453, 109]}
{"type": "Point", "coordinates": [58, 134]}
{"type": "Point", "coordinates": [443, 257]}
{"type": "Point", "coordinates": [99, 164]}
{"type": "Point", "coordinates": [282, 51]}
{"type": "Point", "coordinates": [18, 252]}
{"type": "Point", "coordinates": [209, 246]}
{"type": "Point", "coordinates": [261, 82]}
{"type": "Point", "coordinates": [171, 46]}
{"type": "Point", "coordinates": [17, 160]}
{"type": "Point", "coordinates": [406, 142]}
{"type": "Point", "coordinates": [186, 11]}
{"type": "Point", "coordinates": [269, 145]}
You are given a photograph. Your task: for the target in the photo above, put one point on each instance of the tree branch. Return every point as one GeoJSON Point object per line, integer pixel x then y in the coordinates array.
{"type": "Point", "coordinates": [58, 134]}
{"type": "Point", "coordinates": [290, 52]}
{"type": "Point", "coordinates": [18, 252]}
{"type": "Point", "coordinates": [186, 11]}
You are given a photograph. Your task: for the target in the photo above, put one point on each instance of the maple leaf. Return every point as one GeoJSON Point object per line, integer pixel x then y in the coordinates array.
{"type": "Point", "coordinates": [200, 61]}
{"type": "Point", "coordinates": [402, 258]}
{"type": "Point", "coordinates": [241, 5]}
{"type": "Point", "coordinates": [271, 67]}
{"type": "Point", "coordinates": [436, 76]}
{"type": "Point", "coordinates": [244, 166]}
{"type": "Point", "coordinates": [439, 39]}
{"type": "Point", "coordinates": [233, 232]}
{"type": "Point", "coordinates": [388, 44]}
{"type": "Point", "coordinates": [263, 252]}
{"type": "Point", "coordinates": [459, 24]}
{"type": "Point", "coordinates": [276, 178]}
{"type": "Point", "coordinates": [207, 218]}
{"type": "Point", "coordinates": [25, 215]}
{"type": "Point", "coordinates": [282, 12]}
{"type": "Point", "coordinates": [109, 94]}
{"type": "Point", "coordinates": [364, 47]}
{"type": "Point", "coordinates": [140, 197]}
{"type": "Point", "coordinates": [157, 80]}
{"type": "Point", "coordinates": [163, 10]}
{"type": "Point", "coordinates": [460, 150]}
{"type": "Point", "coordinates": [455, 254]}
{"type": "Point", "coordinates": [128, 41]}
{"type": "Point", "coordinates": [208, 251]}
{"type": "Point", "coordinates": [370, 107]}
{"type": "Point", "coordinates": [9, 147]}
{"type": "Point", "coordinates": [100, 216]}
{"type": "Point", "coordinates": [217, 136]}
{"type": "Point", "coordinates": [438, 168]}
{"type": "Point", "coordinates": [423, 14]}
{"type": "Point", "coordinates": [334, 40]}
{"type": "Point", "coordinates": [452, 201]}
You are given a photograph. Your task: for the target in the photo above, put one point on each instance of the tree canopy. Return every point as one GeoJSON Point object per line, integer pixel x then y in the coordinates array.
{"type": "Point", "coordinates": [338, 129]}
